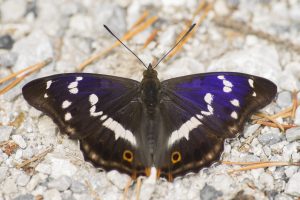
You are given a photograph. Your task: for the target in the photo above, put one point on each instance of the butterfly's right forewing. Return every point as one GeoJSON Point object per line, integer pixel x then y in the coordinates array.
{"type": "Point", "coordinates": [101, 111]}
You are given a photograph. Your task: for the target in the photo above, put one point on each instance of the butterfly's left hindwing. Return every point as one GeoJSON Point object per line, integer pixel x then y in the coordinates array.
{"type": "Point", "coordinates": [202, 110]}
{"type": "Point", "coordinates": [94, 109]}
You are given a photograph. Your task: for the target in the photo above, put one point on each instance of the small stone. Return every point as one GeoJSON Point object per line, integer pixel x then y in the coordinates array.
{"type": "Point", "coordinates": [283, 196]}
{"type": "Point", "coordinates": [18, 139]}
{"type": "Point", "coordinates": [52, 194]}
{"type": "Point", "coordinates": [34, 181]}
{"type": "Point", "coordinates": [190, 65]}
{"type": "Point", "coordinates": [3, 173]}
{"type": "Point", "coordinates": [209, 193]}
{"type": "Point", "coordinates": [293, 134]}
{"type": "Point", "coordinates": [284, 99]}
{"type": "Point", "coordinates": [12, 10]}
{"type": "Point", "coordinates": [61, 184]}
{"type": "Point", "coordinates": [221, 8]}
{"type": "Point", "coordinates": [250, 130]}
{"type": "Point", "coordinates": [270, 138]}
{"type": "Point", "coordinates": [86, 197]}
{"type": "Point", "coordinates": [290, 171]}
{"type": "Point", "coordinates": [18, 154]}
{"type": "Point", "coordinates": [8, 59]}
{"type": "Point", "coordinates": [43, 168]}
{"type": "Point", "coordinates": [46, 126]}
{"type": "Point", "coordinates": [6, 42]}
{"type": "Point", "coordinates": [77, 187]}
{"type": "Point", "coordinates": [118, 179]}
{"type": "Point", "coordinates": [67, 195]}
{"type": "Point", "coordinates": [297, 116]}
{"type": "Point", "coordinates": [293, 186]}
{"type": "Point", "coordinates": [23, 179]}
{"type": "Point", "coordinates": [25, 197]}
{"type": "Point", "coordinates": [40, 49]}
{"type": "Point", "coordinates": [62, 167]}
{"type": "Point", "coordinates": [5, 132]}
{"type": "Point", "coordinates": [267, 181]}
{"type": "Point", "coordinates": [9, 186]}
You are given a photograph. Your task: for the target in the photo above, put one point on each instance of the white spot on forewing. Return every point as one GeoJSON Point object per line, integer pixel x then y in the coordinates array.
{"type": "Point", "coordinates": [254, 94]}
{"type": "Point", "coordinates": [184, 130]}
{"type": "Point", "coordinates": [79, 78]}
{"type": "Point", "coordinates": [73, 85]}
{"type": "Point", "coordinates": [199, 116]}
{"type": "Point", "coordinates": [250, 81]}
{"type": "Point", "coordinates": [209, 112]}
{"type": "Point", "coordinates": [221, 77]}
{"type": "Point", "coordinates": [73, 90]}
{"type": "Point", "coordinates": [45, 95]}
{"type": "Point", "coordinates": [119, 131]}
{"type": "Point", "coordinates": [234, 115]}
{"type": "Point", "coordinates": [94, 113]}
{"type": "Point", "coordinates": [66, 104]}
{"type": "Point", "coordinates": [235, 102]}
{"type": "Point", "coordinates": [103, 117]}
{"type": "Point", "coordinates": [68, 116]}
{"type": "Point", "coordinates": [227, 83]}
{"type": "Point", "coordinates": [48, 84]}
{"type": "Point", "coordinates": [210, 109]}
{"type": "Point", "coordinates": [227, 89]}
{"type": "Point", "coordinates": [93, 99]}
{"type": "Point", "coordinates": [208, 98]}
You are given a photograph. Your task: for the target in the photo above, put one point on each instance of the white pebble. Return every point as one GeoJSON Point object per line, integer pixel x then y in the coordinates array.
{"type": "Point", "coordinates": [62, 167]}
{"type": "Point", "coordinates": [5, 132]}
{"type": "Point", "coordinates": [18, 139]}
{"type": "Point", "coordinates": [293, 186]}
{"type": "Point", "coordinates": [118, 179]}
{"type": "Point", "coordinates": [293, 134]}
{"type": "Point", "coordinates": [52, 194]}
{"type": "Point", "coordinates": [23, 179]}
{"type": "Point", "coordinates": [61, 184]}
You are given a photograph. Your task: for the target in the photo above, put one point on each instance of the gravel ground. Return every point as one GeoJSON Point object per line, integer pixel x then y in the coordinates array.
{"type": "Point", "coordinates": [257, 37]}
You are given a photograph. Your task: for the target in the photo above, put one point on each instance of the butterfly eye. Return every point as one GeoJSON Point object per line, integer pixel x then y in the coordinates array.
{"type": "Point", "coordinates": [176, 157]}
{"type": "Point", "coordinates": [128, 155]}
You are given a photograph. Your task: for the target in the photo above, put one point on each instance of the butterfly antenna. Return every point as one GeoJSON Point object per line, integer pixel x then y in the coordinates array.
{"type": "Point", "coordinates": [182, 38]}
{"type": "Point", "coordinates": [124, 45]}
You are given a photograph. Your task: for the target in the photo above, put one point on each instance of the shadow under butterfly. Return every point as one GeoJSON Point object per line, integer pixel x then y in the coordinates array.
{"type": "Point", "coordinates": [177, 125]}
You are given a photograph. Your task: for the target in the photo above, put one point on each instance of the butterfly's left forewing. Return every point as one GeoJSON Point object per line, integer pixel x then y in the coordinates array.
{"type": "Point", "coordinates": [101, 111]}
{"type": "Point", "coordinates": [202, 110]}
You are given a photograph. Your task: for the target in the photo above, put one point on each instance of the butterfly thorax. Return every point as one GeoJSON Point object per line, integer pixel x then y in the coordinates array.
{"type": "Point", "coordinates": [150, 89]}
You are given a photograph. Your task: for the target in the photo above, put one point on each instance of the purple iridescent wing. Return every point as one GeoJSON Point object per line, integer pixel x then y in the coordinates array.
{"type": "Point", "coordinates": [94, 109]}
{"type": "Point", "coordinates": [202, 110]}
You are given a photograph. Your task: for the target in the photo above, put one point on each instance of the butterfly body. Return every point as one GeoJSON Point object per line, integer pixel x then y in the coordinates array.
{"type": "Point", "coordinates": [177, 125]}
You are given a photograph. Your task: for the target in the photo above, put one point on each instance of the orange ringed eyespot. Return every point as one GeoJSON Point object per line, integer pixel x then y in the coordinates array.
{"type": "Point", "coordinates": [128, 155]}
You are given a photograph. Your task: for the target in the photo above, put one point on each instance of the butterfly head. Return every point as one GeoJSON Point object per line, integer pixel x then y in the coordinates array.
{"type": "Point", "coordinates": [150, 72]}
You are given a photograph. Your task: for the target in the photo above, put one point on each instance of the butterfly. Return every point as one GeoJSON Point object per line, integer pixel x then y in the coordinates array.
{"type": "Point", "coordinates": [177, 125]}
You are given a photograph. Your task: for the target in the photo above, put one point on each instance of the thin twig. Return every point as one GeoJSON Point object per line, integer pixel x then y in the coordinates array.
{"type": "Point", "coordinates": [140, 20]}
{"type": "Point", "coordinates": [91, 190]}
{"type": "Point", "coordinates": [271, 124]}
{"type": "Point", "coordinates": [125, 194]}
{"type": "Point", "coordinates": [256, 165]}
{"type": "Point", "coordinates": [138, 188]}
{"type": "Point", "coordinates": [31, 69]}
{"type": "Point", "coordinates": [35, 158]}
{"type": "Point", "coordinates": [199, 22]}
{"type": "Point", "coordinates": [150, 38]}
